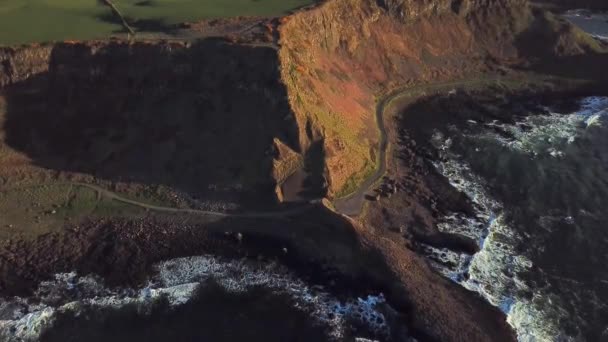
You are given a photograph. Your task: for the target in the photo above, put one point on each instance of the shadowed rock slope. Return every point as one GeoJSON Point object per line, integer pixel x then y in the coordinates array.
{"type": "Point", "coordinates": [205, 119]}
{"type": "Point", "coordinates": [142, 109]}
{"type": "Point", "coordinates": [223, 120]}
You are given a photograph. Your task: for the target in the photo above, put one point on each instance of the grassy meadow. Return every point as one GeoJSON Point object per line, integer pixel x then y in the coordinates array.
{"type": "Point", "coordinates": [27, 21]}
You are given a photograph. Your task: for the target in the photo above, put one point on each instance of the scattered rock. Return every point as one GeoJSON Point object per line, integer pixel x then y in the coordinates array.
{"type": "Point", "coordinates": [396, 229]}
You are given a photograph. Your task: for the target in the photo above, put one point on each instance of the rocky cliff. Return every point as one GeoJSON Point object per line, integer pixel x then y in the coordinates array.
{"type": "Point", "coordinates": [205, 119]}
{"type": "Point", "coordinates": [220, 119]}
{"type": "Point", "coordinates": [339, 58]}
{"type": "Point", "coordinates": [335, 61]}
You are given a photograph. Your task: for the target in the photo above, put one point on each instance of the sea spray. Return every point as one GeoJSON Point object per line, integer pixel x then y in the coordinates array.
{"type": "Point", "coordinates": [500, 271]}
{"type": "Point", "coordinates": [176, 281]}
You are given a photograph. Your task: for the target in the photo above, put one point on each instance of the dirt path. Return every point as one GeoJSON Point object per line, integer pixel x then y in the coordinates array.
{"type": "Point", "coordinates": [256, 214]}
{"type": "Point", "coordinates": [119, 15]}
{"type": "Point", "coordinates": [100, 191]}
{"type": "Point", "coordinates": [352, 205]}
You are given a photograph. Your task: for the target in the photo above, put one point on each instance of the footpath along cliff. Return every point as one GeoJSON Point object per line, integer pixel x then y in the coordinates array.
{"type": "Point", "coordinates": [335, 60]}
{"type": "Point", "coordinates": [339, 58]}
{"type": "Point", "coordinates": [231, 120]}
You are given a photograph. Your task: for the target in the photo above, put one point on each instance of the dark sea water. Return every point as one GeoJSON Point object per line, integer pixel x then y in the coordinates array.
{"type": "Point", "coordinates": [596, 24]}
{"type": "Point", "coordinates": [540, 187]}
{"type": "Point", "coordinates": [200, 298]}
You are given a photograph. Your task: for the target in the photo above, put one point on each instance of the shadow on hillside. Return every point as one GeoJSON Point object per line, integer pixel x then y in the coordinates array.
{"type": "Point", "coordinates": [590, 66]}
{"type": "Point", "coordinates": [553, 47]}
{"type": "Point", "coordinates": [200, 119]}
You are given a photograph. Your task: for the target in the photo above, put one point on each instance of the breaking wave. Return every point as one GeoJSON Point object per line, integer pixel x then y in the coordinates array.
{"type": "Point", "coordinates": [501, 271]}
{"type": "Point", "coordinates": [25, 319]}
{"type": "Point", "coordinates": [549, 134]}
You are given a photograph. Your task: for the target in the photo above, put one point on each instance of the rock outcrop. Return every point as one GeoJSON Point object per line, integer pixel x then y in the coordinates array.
{"type": "Point", "coordinates": [208, 118]}
{"type": "Point", "coordinates": [219, 118]}
{"type": "Point", "coordinates": [335, 61]}
{"type": "Point", "coordinates": [338, 58]}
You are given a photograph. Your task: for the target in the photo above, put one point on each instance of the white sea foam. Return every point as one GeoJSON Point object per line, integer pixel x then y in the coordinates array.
{"type": "Point", "coordinates": [177, 281]}
{"type": "Point", "coordinates": [450, 264]}
{"type": "Point", "coordinates": [547, 134]}
{"type": "Point", "coordinates": [493, 272]}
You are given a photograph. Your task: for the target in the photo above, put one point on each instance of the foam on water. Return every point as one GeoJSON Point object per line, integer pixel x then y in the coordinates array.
{"type": "Point", "coordinates": [462, 178]}
{"type": "Point", "coordinates": [450, 264]}
{"type": "Point", "coordinates": [595, 24]}
{"type": "Point", "coordinates": [548, 134]}
{"type": "Point", "coordinates": [177, 280]}
{"type": "Point", "coordinates": [494, 271]}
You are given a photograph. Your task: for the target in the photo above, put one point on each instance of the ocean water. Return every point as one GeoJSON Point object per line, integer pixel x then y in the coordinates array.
{"type": "Point", "coordinates": [596, 24]}
{"type": "Point", "coordinates": [540, 189]}
{"type": "Point", "coordinates": [66, 308]}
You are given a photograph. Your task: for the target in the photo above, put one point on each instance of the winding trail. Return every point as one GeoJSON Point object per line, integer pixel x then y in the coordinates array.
{"type": "Point", "coordinates": [100, 191]}
{"type": "Point", "coordinates": [119, 15]}
{"type": "Point", "coordinates": [352, 204]}
{"type": "Point", "coordinates": [255, 214]}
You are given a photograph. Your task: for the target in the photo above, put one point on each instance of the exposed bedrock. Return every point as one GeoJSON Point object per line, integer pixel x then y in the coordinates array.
{"type": "Point", "coordinates": [216, 117]}
{"type": "Point", "coordinates": [198, 118]}
{"type": "Point", "coordinates": [338, 58]}
{"type": "Point", "coordinates": [261, 115]}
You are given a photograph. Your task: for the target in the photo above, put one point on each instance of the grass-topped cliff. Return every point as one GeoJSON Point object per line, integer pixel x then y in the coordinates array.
{"type": "Point", "coordinates": [207, 120]}
{"type": "Point", "coordinates": [340, 57]}
{"type": "Point", "coordinates": [220, 116]}
{"type": "Point", "coordinates": [97, 130]}
{"type": "Point", "coordinates": [28, 21]}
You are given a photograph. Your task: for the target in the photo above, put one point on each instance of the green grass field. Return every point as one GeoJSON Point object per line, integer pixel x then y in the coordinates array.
{"type": "Point", "coordinates": [26, 21]}
{"type": "Point", "coordinates": [33, 211]}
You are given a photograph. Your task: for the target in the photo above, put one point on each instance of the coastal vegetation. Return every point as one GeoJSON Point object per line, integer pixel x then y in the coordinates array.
{"type": "Point", "coordinates": [130, 152]}
{"type": "Point", "coordinates": [28, 21]}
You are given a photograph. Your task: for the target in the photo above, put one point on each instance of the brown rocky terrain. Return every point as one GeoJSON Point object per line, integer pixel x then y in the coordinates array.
{"type": "Point", "coordinates": [155, 114]}
{"type": "Point", "coordinates": [225, 121]}
{"type": "Point", "coordinates": [332, 66]}
{"type": "Point", "coordinates": [336, 59]}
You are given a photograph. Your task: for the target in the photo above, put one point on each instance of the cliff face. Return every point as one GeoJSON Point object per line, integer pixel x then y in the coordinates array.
{"type": "Point", "coordinates": [207, 118]}
{"type": "Point", "coordinates": [216, 118]}
{"type": "Point", "coordinates": [18, 64]}
{"type": "Point", "coordinates": [338, 58]}
{"type": "Point", "coordinates": [335, 61]}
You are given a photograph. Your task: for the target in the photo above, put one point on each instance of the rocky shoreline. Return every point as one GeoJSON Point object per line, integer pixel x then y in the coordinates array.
{"type": "Point", "coordinates": [123, 251]}
{"type": "Point", "coordinates": [227, 121]}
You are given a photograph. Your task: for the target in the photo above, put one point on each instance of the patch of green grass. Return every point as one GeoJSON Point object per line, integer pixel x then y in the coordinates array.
{"type": "Point", "coordinates": [79, 202]}
{"type": "Point", "coordinates": [353, 183]}
{"type": "Point", "coordinates": [33, 211]}
{"type": "Point", "coordinates": [407, 95]}
{"type": "Point", "coordinates": [112, 208]}
{"type": "Point", "coordinates": [36, 210]}
{"type": "Point", "coordinates": [159, 195]}
{"type": "Point", "coordinates": [177, 11]}
{"type": "Point", "coordinates": [26, 21]}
